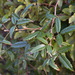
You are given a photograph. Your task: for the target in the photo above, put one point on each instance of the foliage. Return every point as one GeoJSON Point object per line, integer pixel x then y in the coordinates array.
{"type": "Point", "coordinates": [37, 37]}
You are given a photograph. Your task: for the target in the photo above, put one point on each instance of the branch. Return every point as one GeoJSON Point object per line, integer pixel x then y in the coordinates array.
{"type": "Point", "coordinates": [33, 29]}
{"type": "Point", "coordinates": [55, 9]}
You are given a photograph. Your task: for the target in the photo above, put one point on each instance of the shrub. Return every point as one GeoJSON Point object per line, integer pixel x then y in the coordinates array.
{"type": "Point", "coordinates": [37, 37]}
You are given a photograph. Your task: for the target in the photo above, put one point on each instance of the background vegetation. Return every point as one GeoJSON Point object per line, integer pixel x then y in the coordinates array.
{"type": "Point", "coordinates": [37, 37]}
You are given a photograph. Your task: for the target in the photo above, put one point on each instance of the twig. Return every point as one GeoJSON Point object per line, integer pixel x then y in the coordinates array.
{"type": "Point", "coordinates": [32, 67]}
{"type": "Point", "coordinates": [4, 26]}
{"type": "Point", "coordinates": [44, 4]}
{"type": "Point", "coordinates": [55, 7]}
{"type": "Point", "coordinates": [33, 29]}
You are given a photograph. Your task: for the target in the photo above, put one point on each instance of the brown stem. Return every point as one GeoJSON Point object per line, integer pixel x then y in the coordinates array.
{"type": "Point", "coordinates": [33, 29]}
{"type": "Point", "coordinates": [55, 7]}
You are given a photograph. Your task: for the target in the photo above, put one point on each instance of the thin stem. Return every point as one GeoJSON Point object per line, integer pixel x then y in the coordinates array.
{"type": "Point", "coordinates": [33, 29]}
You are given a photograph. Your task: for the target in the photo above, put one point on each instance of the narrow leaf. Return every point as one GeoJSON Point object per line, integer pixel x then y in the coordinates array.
{"type": "Point", "coordinates": [64, 49]}
{"type": "Point", "coordinates": [14, 18]}
{"type": "Point", "coordinates": [53, 65]}
{"type": "Point", "coordinates": [19, 44]}
{"type": "Point", "coordinates": [49, 49]}
{"type": "Point", "coordinates": [11, 31]}
{"type": "Point", "coordinates": [0, 25]}
{"type": "Point", "coordinates": [63, 59]}
{"type": "Point", "coordinates": [42, 40]}
{"type": "Point", "coordinates": [11, 55]}
{"type": "Point", "coordinates": [68, 29]}
{"type": "Point", "coordinates": [58, 25]}
{"type": "Point", "coordinates": [31, 36]}
{"type": "Point", "coordinates": [26, 9]}
{"type": "Point", "coordinates": [50, 16]}
{"type": "Point", "coordinates": [6, 42]}
{"type": "Point", "coordinates": [23, 21]}
{"type": "Point", "coordinates": [24, 64]}
{"type": "Point", "coordinates": [60, 2]}
{"type": "Point", "coordinates": [38, 48]}
{"type": "Point", "coordinates": [59, 39]}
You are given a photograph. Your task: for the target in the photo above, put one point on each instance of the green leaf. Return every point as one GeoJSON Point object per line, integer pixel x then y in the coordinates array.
{"type": "Point", "coordinates": [14, 18]}
{"type": "Point", "coordinates": [43, 53]}
{"type": "Point", "coordinates": [0, 25]}
{"type": "Point", "coordinates": [38, 48]}
{"type": "Point", "coordinates": [59, 39]}
{"type": "Point", "coordinates": [26, 9]}
{"type": "Point", "coordinates": [45, 62]}
{"type": "Point", "coordinates": [42, 40]}
{"type": "Point", "coordinates": [46, 26]}
{"type": "Point", "coordinates": [53, 65]}
{"type": "Point", "coordinates": [68, 29]}
{"type": "Point", "coordinates": [63, 59]}
{"type": "Point", "coordinates": [71, 8]}
{"type": "Point", "coordinates": [6, 42]}
{"type": "Point", "coordinates": [58, 25]}
{"type": "Point", "coordinates": [64, 49]}
{"type": "Point", "coordinates": [5, 18]}
{"type": "Point", "coordinates": [19, 44]}
{"type": "Point", "coordinates": [11, 55]}
{"type": "Point", "coordinates": [72, 18]}
{"type": "Point", "coordinates": [49, 49]}
{"type": "Point", "coordinates": [23, 21]}
{"type": "Point", "coordinates": [50, 16]}
{"type": "Point", "coordinates": [66, 11]}
{"type": "Point", "coordinates": [63, 17]}
{"type": "Point", "coordinates": [49, 35]}
{"type": "Point", "coordinates": [60, 2]}
{"type": "Point", "coordinates": [19, 8]}
{"type": "Point", "coordinates": [11, 31]}
{"type": "Point", "coordinates": [24, 64]}
{"type": "Point", "coordinates": [31, 36]}
{"type": "Point", "coordinates": [0, 46]}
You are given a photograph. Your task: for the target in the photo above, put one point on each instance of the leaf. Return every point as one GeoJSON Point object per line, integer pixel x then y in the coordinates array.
{"type": "Point", "coordinates": [18, 35]}
{"type": "Point", "coordinates": [19, 8]}
{"type": "Point", "coordinates": [58, 25]}
{"type": "Point", "coordinates": [66, 11]}
{"type": "Point", "coordinates": [49, 49]}
{"type": "Point", "coordinates": [43, 53]}
{"type": "Point", "coordinates": [14, 18]}
{"type": "Point", "coordinates": [24, 64]}
{"type": "Point", "coordinates": [63, 17]}
{"type": "Point", "coordinates": [19, 44]}
{"type": "Point", "coordinates": [63, 59]}
{"type": "Point", "coordinates": [0, 47]}
{"type": "Point", "coordinates": [71, 8]}
{"type": "Point", "coordinates": [60, 2]}
{"type": "Point", "coordinates": [45, 62]}
{"type": "Point", "coordinates": [42, 40]}
{"type": "Point", "coordinates": [11, 31]}
{"type": "Point", "coordinates": [38, 48]}
{"type": "Point", "coordinates": [0, 25]}
{"type": "Point", "coordinates": [5, 18]}
{"type": "Point", "coordinates": [46, 25]}
{"type": "Point", "coordinates": [53, 65]}
{"type": "Point", "coordinates": [23, 21]}
{"type": "Point", "coordinates": [64, 49]}
{"type": "Point", "coordinates": [31, 36]}
{"type": "Point", "coordinates": [11, 55]}
{"type": "Point", "coordinates": [59, 39]}
{"type": "Point", "coordinates": [6, 42]}
{"type": "Point", "coordinates": [68, 29]}
{"type": "Point", "coordinates": [50, 16]}
{"type": "Point", "coordinates": [26, 9]}
{"type": "Point", "coordinates": [72, 18]}
{"type": "Point", "coordinates": [49, 35]}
